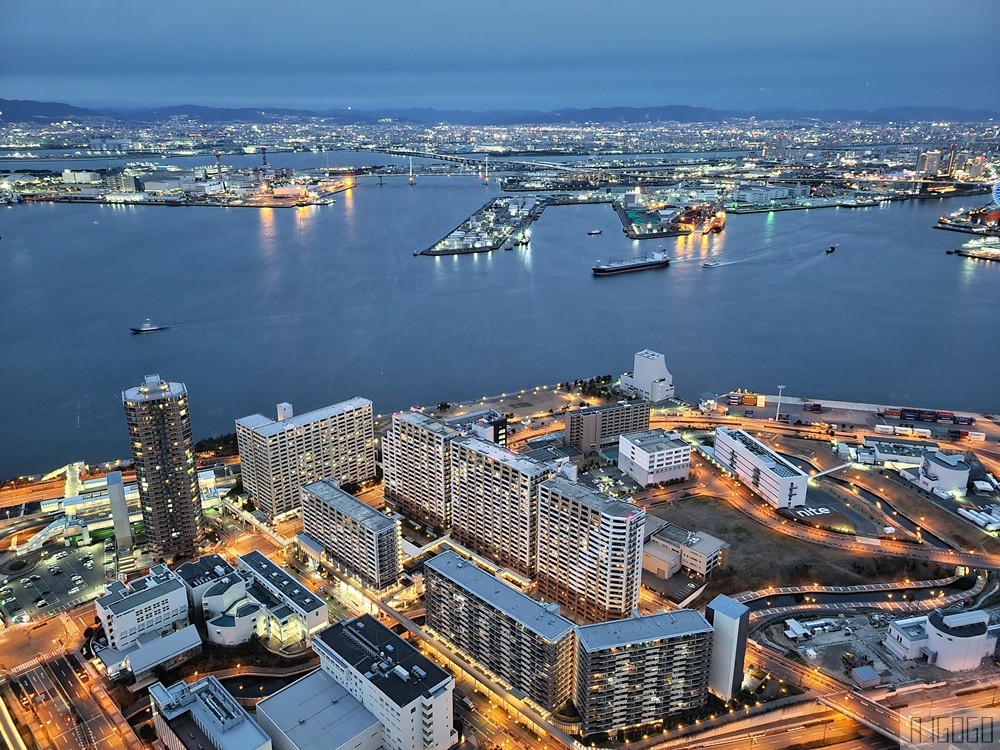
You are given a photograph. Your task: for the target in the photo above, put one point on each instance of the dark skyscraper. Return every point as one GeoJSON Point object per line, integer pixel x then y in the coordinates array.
{"type": "Point", "coordinates": [159, 428]}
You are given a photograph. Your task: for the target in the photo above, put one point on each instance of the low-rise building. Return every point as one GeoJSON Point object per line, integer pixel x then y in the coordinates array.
{"type": "Point", "coordinates": [525, 643]}
{"type": "Point", "coordinates": [775, 479]}
{"type": "Point", "coordinates": [360, 540]}
{"type": "Point", "coordinates": [293, 612]}
{"type": "Point", "coordinates": [650, 379]}
{"type": "Point", "coordinates": [488, 424]}
{"type": "Point", "coordinates": [318, 713]}
{"type": "Point", "coordinates": [641, 670]}
{"type": "Point", "coordinates": [940, 473]}
{"type": "Point", "coordinates": [199, 576]}
{"type": "Point", "coordinates": [897, 452]}
{"type": "Point", "coordinates": [409, 694]}
{"type": "Point", "coordinates": [699, 552]}
{"type": "Point", "coordinates": [653, 456]}
{"type": "Point", "coordinates": [153, 603]}
{"type": "Point", "coordinates": [955, 641]}
{"type": "Point", "coordinates": [203, 715]}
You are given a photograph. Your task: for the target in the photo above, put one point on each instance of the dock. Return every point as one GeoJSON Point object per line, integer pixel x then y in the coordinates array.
{"type": "Point", "coordinates": [503, 221]}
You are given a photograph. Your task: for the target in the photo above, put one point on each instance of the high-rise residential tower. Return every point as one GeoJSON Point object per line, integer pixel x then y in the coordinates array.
{"type": "Point", "coordinates": [159, 428]}
{"type": "Point", "coordinates": [589, 550]}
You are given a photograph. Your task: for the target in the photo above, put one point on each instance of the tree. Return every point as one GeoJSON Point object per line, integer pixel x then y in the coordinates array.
{"type": "Point", "coordinates": [443, 406]}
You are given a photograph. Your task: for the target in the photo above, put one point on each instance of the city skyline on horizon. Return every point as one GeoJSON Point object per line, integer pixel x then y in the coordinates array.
{"type": "Point", "coordinates": [452, 56]}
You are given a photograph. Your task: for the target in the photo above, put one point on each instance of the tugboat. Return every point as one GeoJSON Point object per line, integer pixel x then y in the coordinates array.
{"type": "Point", "coordinates": [148, 327]}
{"type": "Point", "coordinates": [831, 249]}
{"type": "Point", "coordinates": [594, 232]}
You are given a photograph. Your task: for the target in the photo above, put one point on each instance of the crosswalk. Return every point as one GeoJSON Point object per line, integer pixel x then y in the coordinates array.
{"type": "Point", "coordinates": [36, 661]}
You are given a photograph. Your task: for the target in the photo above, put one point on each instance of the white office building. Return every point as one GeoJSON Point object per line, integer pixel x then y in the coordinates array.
{"type": "Point", "coordinates": [151, 603]}
{"type": "Point", "coordinates": [279, 456]}
{"type": "Point", "coordinates": [409, 694]}
{"type": "Point", "coordinates": [145, 624]}
{"type": "Point", "coordinates": [205, 715]}
{"type": "Point", "coordinates": [494, 498]}
{"type": "Point", "coordinates": [650, 377]}
{"type": "Point", "coordinates": [653, 456]}
{"type": "Point", "coordinates": [416, 463]}
{"type": "Point", "coordinates": [360, 540]}
{"type": "Point", "coordinates": [730, 623]}
{"type": "Point", "coordinates": [589, 550]}
{"type": "Point", "coordinates": [775, 479]}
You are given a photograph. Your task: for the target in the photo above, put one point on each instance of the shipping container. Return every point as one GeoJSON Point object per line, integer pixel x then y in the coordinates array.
{"type": "Point", "coordinates": [748, 413]}
{"type": "Point", "coordinates": [921, 432]}
{"type": "Point", "coordinates": [946, 416]}
{"type": "Point", "coordinates": [977, 437]}
{"type": "Point", "coordinates": [909, 415]}
{"type": "Point", "coordinates": [928, 416]}
{"type": "Point", "coordinates": [892, 413]}
{"type": "Point", "coordinates": [807, 407]}
{"type": "Point", "coordinates": [954, 434]}
{"type": "Point", "coordinates": [734, 399]}
{"type": "Point", "coordinates": [749, 399]}
{"type": "Point", "coordinates": [884, 429]}
{"type": "Point", "coordinates": [817, 408]}
{"type": "Point", "coordinates": [903, 430]}
{"type": "Point", "coordinates": [963, 419]}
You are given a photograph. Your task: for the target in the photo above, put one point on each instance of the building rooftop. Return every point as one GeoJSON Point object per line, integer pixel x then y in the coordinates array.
{"type": "Point", "coordinates": [655, 440]}
{"type": "Point", "coordinates": [153, 389]}
{"type": "Point", "coordinates": [205, 569]}
{"type": "Point", "coordinates": [314, 709]}
{"type": "Point", "coordinates": [328, 492]}
{"type": "Point", "coordinates": [270, 427]}
{"type": "Point", "coordinates": [481, 415]}
{"type": "Point", "coordinates": [292, 589]}
{"type": "Point", "coordinates": [699, 541]}
{"type": "Point", "coordinates": [535, 616]}
{"type": "Point", "coordinates": [498, 453]}
{"type": "Point", "coordinates": [953, 461]}
{"type": "Point", "coordinates": [729, 607]}
{"type": "Point", "coordinates": [771, 460]}
{"type": "Point", "coordinates": [607, 407]}
{"type": "Point", "coordinates": [960, 624]}
{"type": "Point", "coordinates": [910, 449]}
{"type": "Point", "coordinates": [592, 498]}
{"type": "Point", "coordinates": [428, 423]}
{"type": "Point", "coordinates": [213, 709]}
{"type": "Point", "coordinates": [160, 582]}
{"type": "Point", "coordinates": [391, 664]}
{"type": "Point", "coordinates": [636, 630]}
{"type": "Point", "coordinates": [155, 649]}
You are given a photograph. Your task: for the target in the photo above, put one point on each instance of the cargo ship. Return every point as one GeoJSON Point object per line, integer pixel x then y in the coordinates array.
{"type": "Point", "coordinates": [656, 260]}
{"type": "Point", "coordinates": [717, 223]}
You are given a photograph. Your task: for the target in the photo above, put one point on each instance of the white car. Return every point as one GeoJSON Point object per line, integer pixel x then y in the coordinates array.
{"type": "Point", "coordinates": [74, 590]}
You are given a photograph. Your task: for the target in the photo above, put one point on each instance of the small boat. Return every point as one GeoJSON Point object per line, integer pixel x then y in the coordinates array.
{"type": "Point", "coordinates": [148, 327]}
{"type": "Point", "coordinates": [711, 264]}
{"type": "Point", "coordinates": [949, 252]}
{"type": "Point", "coordinates": [593, 232]}
{"type": "Point", "coordinates": [525, 239]}
{"type": "Point", "coordinates": [831, 249]}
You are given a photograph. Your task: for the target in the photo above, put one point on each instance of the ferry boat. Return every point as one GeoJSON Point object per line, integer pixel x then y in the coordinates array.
{"type": "Point", "coordinates": [656, 260]}
{"type": "Point", "coordinates": [593, 232]}
{"type": "Point", "coordinates": [148, 327]}
{"type": "Point", "coordinates": [717, 223]}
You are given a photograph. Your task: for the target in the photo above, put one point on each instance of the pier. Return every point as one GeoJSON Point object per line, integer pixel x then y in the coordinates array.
{"type": "Point", "coordinates": [503, 220]}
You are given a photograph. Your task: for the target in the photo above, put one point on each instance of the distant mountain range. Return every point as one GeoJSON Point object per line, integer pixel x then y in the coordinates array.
{"type": "Point", "coordinates": [31, 111]}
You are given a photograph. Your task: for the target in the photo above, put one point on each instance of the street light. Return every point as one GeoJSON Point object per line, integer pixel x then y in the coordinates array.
{"type": "Point", "coordinates": [777, 410]}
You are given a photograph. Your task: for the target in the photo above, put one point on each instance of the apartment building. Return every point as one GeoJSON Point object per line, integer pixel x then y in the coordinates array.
{"type": "Point", "coordinates": [279, 456]}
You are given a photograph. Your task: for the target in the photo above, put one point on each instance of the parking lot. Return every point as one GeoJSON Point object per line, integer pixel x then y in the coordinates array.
{"type": "Point", "coordinates": [60, 579]}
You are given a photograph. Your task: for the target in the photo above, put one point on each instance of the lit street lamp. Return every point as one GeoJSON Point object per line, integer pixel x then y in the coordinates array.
{"type": "Point", "coordinates": [777, 410]}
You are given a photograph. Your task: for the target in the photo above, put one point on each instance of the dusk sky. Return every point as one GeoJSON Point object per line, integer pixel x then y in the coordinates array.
{"type": "Point", "coordinates": [533, 54]}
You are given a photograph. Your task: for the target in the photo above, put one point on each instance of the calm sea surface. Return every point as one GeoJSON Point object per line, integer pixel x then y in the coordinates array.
{"type": "Point", "coordinates": [320, 304]}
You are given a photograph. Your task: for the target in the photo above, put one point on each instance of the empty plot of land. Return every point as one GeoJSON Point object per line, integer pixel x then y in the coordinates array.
{"type": "Point", "coordinates": [760, 557]}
